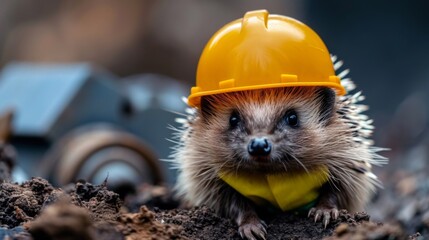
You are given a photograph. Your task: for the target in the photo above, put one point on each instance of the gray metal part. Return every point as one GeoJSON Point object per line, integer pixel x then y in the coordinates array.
{"type": "Point", "coordinates": [99, 100]}
{"type": "Point", "coordinates": [51, 100]}
{"type": "Point", "coordinates": [151, 127]}
{"type": "Point", "coordinates": [38, 94]}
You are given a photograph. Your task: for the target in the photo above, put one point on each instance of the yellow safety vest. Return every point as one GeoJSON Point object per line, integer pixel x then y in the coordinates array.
{"type": "Point", "coordinates": [284, 191]}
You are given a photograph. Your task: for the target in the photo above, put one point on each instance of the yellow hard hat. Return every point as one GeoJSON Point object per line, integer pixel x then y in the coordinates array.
{"type": "Point", "coordinates": [263, 51]}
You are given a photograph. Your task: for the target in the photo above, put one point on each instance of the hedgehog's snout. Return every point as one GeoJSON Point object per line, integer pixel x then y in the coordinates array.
{"type": "Point", "coordinates": [259, 147]}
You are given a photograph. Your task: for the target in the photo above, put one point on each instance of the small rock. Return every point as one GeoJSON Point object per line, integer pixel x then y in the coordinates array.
{"type": "Point", "coordinates": [407, 213]}
{"type": "Point", "coordinates": [425, 219]}
{"type": "Point", "coordinates": [407, 186]}
{"type": "Point", "coordinates": [341, 229]}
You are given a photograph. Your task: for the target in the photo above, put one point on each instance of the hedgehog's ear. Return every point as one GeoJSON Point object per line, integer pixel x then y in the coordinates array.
{"type": "Point", "coordinates": [206, 107]}
{"type": "Point", "coordinates": [326, 97]}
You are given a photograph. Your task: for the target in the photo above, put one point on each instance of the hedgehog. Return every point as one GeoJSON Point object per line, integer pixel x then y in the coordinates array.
{"type": "Point", "coordinates": [216, 139]}
{"type": "Point", "coordinates": [289, 149]}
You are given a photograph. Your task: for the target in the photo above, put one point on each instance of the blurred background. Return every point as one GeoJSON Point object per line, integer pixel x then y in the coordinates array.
{"type": "Point", "coordinates": [113, 72]}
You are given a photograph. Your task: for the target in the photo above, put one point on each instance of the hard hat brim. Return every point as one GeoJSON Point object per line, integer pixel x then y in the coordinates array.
{"type": "Point", "coordinates": [194, 99]}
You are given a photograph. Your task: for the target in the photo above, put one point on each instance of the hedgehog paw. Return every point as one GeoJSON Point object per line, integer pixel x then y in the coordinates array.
{"type": "Point", "coordinates": [324, 214]}
{"type": "Point", "coordinates": [253, 230]}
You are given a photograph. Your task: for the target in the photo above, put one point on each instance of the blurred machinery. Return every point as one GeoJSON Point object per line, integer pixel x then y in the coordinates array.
{"type": "Point", "coordinates": [74, 121]}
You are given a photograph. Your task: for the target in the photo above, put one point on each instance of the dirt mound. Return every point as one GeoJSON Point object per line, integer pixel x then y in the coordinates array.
{"type": "Point", "coordinates": [36, 210]}
{"type": "Point", "coordinates": [371, 231]}
{"type": "Point", "coordinates": [22, 203]}
{"type": "Point", "coordinates": [144, 225]}
{"type": "Point", "coordinates": [202, 223]}
{"type": "Point", "coordinates": [103, 205]}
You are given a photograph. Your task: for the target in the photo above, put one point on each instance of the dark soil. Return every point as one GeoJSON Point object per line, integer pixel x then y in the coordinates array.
{"type": "Point", "coordinates": [36, 210]}
{"type": "Point", "coordinates": [199, 223]}
{"type": "Point", "coordinates": [23, 203]}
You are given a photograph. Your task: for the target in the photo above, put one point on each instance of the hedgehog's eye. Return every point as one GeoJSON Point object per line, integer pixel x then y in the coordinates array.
{"type": "Point", "coordinates": [234, 119]}
{"type": "Point", "coordinates": [291, 118]}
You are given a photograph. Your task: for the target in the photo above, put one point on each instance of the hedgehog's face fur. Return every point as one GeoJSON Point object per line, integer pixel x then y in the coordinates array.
{"type": "Point", "coordinates": [268, 130]}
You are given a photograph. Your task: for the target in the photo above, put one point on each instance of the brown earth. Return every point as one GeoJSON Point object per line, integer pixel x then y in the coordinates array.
{"type": "Point", "coordinates": [36, 210]}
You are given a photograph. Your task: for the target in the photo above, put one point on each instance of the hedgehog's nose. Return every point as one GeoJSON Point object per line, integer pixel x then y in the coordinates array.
{"type": "Point", "coordinates": [259, 147]}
